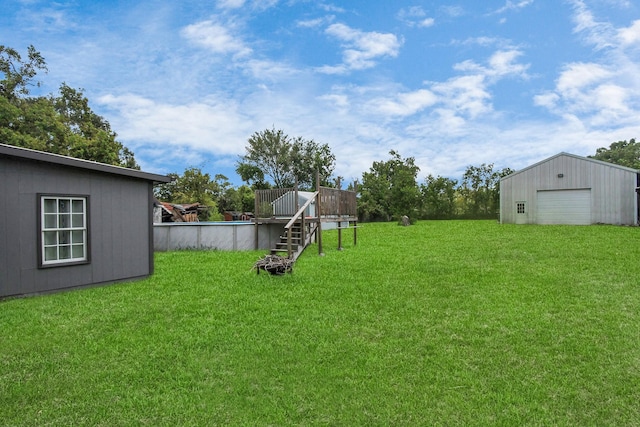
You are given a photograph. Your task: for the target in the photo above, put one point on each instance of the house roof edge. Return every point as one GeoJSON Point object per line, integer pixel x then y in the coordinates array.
{"type": "Point", "coordinates": [41, 156]}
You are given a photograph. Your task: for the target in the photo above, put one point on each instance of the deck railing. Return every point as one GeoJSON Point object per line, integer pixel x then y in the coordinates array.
{"type": "Point", "coordinates": [265, 200]}
{"type": "Point", "coordinates": [337, 203]}
{"type": "Point", "coordinates": [285, 202]}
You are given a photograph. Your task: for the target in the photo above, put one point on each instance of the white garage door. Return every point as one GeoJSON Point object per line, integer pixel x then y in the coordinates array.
{"type": "Point", "coordinates": [564, 207]}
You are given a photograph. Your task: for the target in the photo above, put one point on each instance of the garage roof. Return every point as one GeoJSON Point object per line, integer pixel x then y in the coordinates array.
{"type": "Point", "coordinates": [575, 157]}
{"type": "Point", "coordinates": [41, 156]}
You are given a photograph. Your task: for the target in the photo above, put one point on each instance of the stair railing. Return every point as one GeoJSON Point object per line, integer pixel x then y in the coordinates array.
{"type": "Point", "coordinates": [294, 218]}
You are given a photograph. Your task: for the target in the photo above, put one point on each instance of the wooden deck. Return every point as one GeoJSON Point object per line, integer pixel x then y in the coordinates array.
{"type": "Point", "coordinates": [280, 204]}
{"type": "Point", "coordinates": [303, 213]}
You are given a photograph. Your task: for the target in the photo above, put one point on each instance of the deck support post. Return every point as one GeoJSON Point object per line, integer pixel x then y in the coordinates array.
{"type": "Point", "coordinates": [355, 233]}
{"type": "Point", "coordinates": [319, 213]}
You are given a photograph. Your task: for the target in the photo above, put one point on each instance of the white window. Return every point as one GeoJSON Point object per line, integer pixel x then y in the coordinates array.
{"type": "Point", "coordinates": [63, 228]}
{"type": "Point", "coordinates": [520, 207]}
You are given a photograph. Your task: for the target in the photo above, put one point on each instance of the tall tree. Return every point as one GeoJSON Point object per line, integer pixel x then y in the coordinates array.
{"type": "Point", "coordinates": [230, 199]}
{"type": "Point", "coordinates": [272, 154]}
{"type": "Point", "coordinates": [480, 190]}
{"type": "Point", "coordinates": [239, 199]}
{"type": "Point", "coordinates": [61, 124]}
{"type": "Point", "coordinates": [218, 194]}
{"type": "Point", "coordinates": [389, 190]}
{"type": "Point", "coordinates": [439, 197]}
{"type": "Point", "coordinates": [193, 186]}
{"type": "Point", "coordinates": [94, 138]}
{"type": "Point", "coordinates": [309, 158]}
{"type": "Point", "coordinates": [19, 73]}
{"type": "Point", "coordinates": [621, 153]}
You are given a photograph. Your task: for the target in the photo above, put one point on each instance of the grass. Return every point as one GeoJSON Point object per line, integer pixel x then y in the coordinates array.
{"type": "Point", "coordinates": [440, 323]}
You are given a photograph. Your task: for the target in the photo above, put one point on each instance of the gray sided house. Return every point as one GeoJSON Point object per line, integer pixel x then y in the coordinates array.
{"type": "Point", "coordinates": [68, 222]}
{"type": "Point", "coordinates": [569, 189]}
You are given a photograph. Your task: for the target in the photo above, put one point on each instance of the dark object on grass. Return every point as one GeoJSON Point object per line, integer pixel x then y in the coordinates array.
{"type": "Point", "coordinates": [274, 264]}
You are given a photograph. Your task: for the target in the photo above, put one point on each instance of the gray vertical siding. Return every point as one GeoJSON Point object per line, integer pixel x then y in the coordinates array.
{"type": "Point", "coordinates": [613, 197]}
{"type": "Point", "coordinates": [119, 226]}
{"type": "Point", "coordinates": [9, 241]}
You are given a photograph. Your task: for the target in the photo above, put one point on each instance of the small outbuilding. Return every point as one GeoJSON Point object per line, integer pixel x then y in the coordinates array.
{"type": "Point", "coordinates": [69, 222]}
{"type": "Point", "coordinates": [569, 189]}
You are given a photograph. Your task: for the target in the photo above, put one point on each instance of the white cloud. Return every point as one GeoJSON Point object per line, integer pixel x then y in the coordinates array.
{"type": "Point", "coordinates": [216, 38]}
{"type": "Point", "coordinates": [611, 97]}
{"type": "Point", "coordinates": [599, 34]}
{"type": "Point", "coordinates": [467, 95]}
{"type": "Point", "coordinates": [577, 76]}
{"type": "Point", "coordinates": [457, 99]}
{"type": "Point", "coordinates": [361, 49]}
{"type": "Point", "coordinates": [237, 4]}
{"type": "Point", "coordinates": [415, 16]}
{"type": "Point", "coordinates": [510, 5]}
{"type": "Point", "coordinates": [623, 4]}
{"type": "Point", "coordinates": [404, 104]}
{"type": "Point", "coordinates": [269, 70]}
{"type": "Point", "coordinates": [453, 11]}
{"type": "Point", "coordinates": [412, 12]}
{"type": "Point", "coordinates": [630, 36]}
{"type": "Point", "coordinates": [485, 42]}
{"type": "Point", "coordinates": [427, 22]}
{"type": "Point", "coordinates": [331, 8]}
{"type": "Point", "coordinates": [588, 91]}
{"type": "Point", "coordinates": [336, 100]}
{"type": "Point", "coordinates": [501, 64]}
{"type": "Point", "coordinates": [230, 4]}
{"type": "Point", "coordinates": [311, 23]}
{"type": "Point", "coordinates": [53, 18]}
{"type": "Point", "coordinates": [547, 100]}
{"type": "Point", "coordinates": [333, 69]}
{"type": "Point", "coordinates": [208, 125]}
{"type": "Point", "coordinates": [602, 93]}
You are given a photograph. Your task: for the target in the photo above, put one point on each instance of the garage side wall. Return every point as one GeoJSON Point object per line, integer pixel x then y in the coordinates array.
{"type": "Point", "coordinates": [119, 226]}
{"type": "Point", "coordinates": [612, 189]}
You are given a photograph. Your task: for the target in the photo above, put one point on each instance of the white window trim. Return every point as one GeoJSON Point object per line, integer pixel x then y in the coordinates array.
{"type": "Point", "coordinates": [54, 227]}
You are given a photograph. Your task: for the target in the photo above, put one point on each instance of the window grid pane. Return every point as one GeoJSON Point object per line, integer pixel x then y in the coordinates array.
{"type": "Point", "coordinates": [78, 206]}
{"type": "Point", "coordinates": [64, 252]}
{"type": "Point", "coordinates": [50, 206]}
{"type": "Point", "coordinates": [63, 205]}
{"type": "Point", "coordinates": [77, 251]}
{"type": "Point", "coordinates": [64, 229]}
{"type": "Point", "coordinates": [50, 220]}
{"type": "Point", "coordinates": [63, 221]}
{"type": "Point", "coordinates": [51, 254]}
{"type": "Point", "coordinates": [77, 220]}
{"type": "Point", "coordinates": [50, 238]}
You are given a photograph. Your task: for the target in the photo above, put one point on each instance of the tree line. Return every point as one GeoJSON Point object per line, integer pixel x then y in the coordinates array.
{"type": "Point", "coordinates": [64, 123]}
{"type": "Point", "coordinates": [61, 123]}
{"type": "Point", "coordinates": [390, 190]}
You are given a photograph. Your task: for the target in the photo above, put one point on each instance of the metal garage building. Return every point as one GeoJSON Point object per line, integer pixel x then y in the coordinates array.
{"type": "Point", "coordinates": [569, 189]}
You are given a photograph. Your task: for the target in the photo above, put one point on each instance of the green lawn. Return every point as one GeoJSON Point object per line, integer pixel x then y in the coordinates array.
{"type": "Point", "coordinates": [441, 323]}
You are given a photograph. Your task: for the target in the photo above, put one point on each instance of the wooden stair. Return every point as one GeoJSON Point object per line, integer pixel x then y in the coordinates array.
{"type": "Point", "coordinates": [297, 245]}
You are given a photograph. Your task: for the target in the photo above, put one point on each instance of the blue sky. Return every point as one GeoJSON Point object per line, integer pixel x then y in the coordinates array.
{"type": "Point", "coordinates": [451, 83]}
